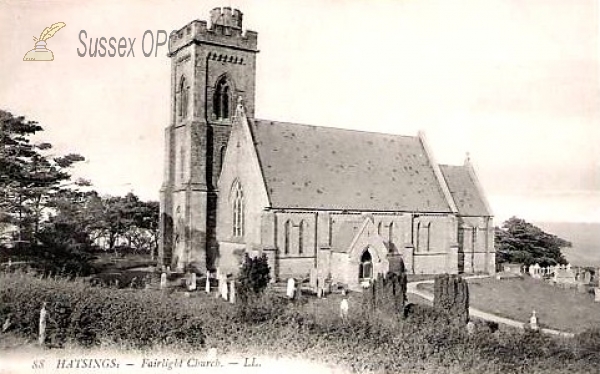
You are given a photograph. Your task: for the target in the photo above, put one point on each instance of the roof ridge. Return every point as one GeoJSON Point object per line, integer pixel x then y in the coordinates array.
{"type": "Point", "coordinates": [254, 120]}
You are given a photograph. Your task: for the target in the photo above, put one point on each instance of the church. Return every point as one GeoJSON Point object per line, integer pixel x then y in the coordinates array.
{"type": "Point", "coordinates": [321, 202]}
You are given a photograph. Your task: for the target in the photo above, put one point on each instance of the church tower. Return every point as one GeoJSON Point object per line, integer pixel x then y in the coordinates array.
{"type": "Point", "coordinates": [210, 68]}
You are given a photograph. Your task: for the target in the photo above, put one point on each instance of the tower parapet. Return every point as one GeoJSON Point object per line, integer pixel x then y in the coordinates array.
{"type": "Point", "coordinates": [225, 29]}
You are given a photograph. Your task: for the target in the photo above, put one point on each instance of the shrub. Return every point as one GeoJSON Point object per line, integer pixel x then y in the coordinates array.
{"type": "Point", "coordinates": [387, 294]}
{"type": "Point", "coordinates": [253, 278]}
{"type": "Point", "coordinates": [451, 294]}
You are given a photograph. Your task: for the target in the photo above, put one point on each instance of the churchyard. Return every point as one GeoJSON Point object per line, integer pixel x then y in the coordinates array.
{"type": "Point", "coordinates": [565, 309]}
{"type": "Point", "coordinates": [307, 328]}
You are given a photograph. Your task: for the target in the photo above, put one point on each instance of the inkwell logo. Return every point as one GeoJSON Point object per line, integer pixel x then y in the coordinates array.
{"type": "Point", "coordinates": [40, 52]}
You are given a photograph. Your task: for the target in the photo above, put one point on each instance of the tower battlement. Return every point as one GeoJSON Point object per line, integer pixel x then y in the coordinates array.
{"type": "Point", "coordinates": [226, 17]}
{"type": "Point", "coordinates": [225, 29]}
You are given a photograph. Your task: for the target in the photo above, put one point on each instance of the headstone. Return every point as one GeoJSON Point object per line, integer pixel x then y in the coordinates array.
{"type": "Point", "coordinates": [223, 287]}
{"type": "Point", "coordinates": [186, 294]}
{"type": "Point", "coordinates": [581, 287]}
{"type": "Point", "coordinates": [344, 308]}
{"type": "Point", "coordinates": [597, 294]}
{"type": "Point", "coordinates": [534, 271]}
{"type": "Point", "coordinates": [163, 281]}
{"type": "Point", "coordinates": [564, 276]}
{"type": "Point", "coordinates": [470, 327]}
{"type": "Point", "coordinates": [192, 283]}
{"type": "Point", "coordinates": [533, 322]}
{"type": "Point", "coordinates": [314, 279]}
{"type": "Point", "coordinates": [232, 292]}
{"type": "Point", "coordinates": [291, 288]}
{"type": "Point", "coordinates": [42, 332]}
{"type": "Point", "coordinates": [207, 284]}
{"type": "Point", "coordinates": [587, 276]}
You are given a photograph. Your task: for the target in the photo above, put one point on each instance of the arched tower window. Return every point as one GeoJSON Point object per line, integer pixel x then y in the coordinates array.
{"type": "Point", "coordinates": [238, 210]}
{"type": "Point", "coordinates": [365, 270]}
{"type": "Point", "coordinates": [221, 99]}
{"type": "Point", "coordinates": [183, 97]}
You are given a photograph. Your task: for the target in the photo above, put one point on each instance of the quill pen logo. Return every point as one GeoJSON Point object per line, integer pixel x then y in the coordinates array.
{"type": "Point", "coordinates": [40, 52]}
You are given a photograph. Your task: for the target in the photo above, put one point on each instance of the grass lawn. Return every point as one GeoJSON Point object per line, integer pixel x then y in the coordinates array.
{"type": "Point", "coordinates": [516, 298]}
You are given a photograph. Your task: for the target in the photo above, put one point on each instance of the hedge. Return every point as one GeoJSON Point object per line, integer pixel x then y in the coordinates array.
{"type": "Point", "coordinates": [425, 341]}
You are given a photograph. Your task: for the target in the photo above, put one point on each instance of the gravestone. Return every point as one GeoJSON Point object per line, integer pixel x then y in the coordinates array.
{"type": "Point", "coordinates": [42, 332]}
{"type": "Point", "coordinates": [314, 279]}
{"type": "Point", "coordinates": [470, 327]}
{"type": "Point", "coordinates": [192, 282]}
{"type": "Point", "coordinates": [534, 271]}
{"type": "Point", "coordinates": [582, 287]}
{"type": "Point", "coordinates": [344, 308]}
{"type": "Point", "coordinates": [597, 294]}
{"type": "Point", "coordinates": [587, 277]}
{"type": "Point", "coordinates": [223, 287]}
{"type": "Point", "coordinates": [533, 322]}
{"type": "Point", "coordinates": [163, 281]}
{"type": "Point", "coordinates": [291, 288]}
{"type": "Point", "coordinates": [562, 275]}
{"type": "Point", "coordinates": [232, 292]}
{"type": "Point", "coordinates": [207, 284]}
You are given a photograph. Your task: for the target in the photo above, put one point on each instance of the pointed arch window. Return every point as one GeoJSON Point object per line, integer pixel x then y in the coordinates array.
{"type": "Point", "coordinates": [221, 99]}
{"type": "Point", "coordinates": [365, 269]}
{"type": "Point", "coordinates": [287, 231]}
{"type": "Point", "coordinates": [183, 97]}
{"type": "Point", "coordinates": [238, 210]}
{"type": "Point", "coordinates": [427, 236]}
{"type": "Point", "coordinates": [301, 238]}
{"type": "Point", "coordinates": [418, 236]}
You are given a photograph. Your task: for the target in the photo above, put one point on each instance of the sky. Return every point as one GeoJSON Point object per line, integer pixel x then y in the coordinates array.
{"type": "Point", "coordinates": [513, 83]}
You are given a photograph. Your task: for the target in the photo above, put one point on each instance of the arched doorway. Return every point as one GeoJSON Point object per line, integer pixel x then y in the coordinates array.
{"type": "Point", "coordinates": [365, 268]}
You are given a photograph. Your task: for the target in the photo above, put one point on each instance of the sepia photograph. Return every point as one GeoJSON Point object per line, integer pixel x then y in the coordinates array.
{"type": "Point", "coordinates": [265, 186]}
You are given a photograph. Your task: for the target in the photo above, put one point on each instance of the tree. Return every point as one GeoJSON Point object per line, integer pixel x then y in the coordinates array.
{"type": "Point", "coordinates": [29, 176]}
{"type": "Point", "coordinates": [128, 221]}
{"type": "Point", "coordinates": [521, 242]}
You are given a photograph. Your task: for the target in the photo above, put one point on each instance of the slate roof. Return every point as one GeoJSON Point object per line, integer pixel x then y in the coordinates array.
{"type": "Point", "coordinates": [343, 236]}
{"type": "Point", "coordinates": [464, 191]}
{"type": "Point", "coordinates": [329, 168]}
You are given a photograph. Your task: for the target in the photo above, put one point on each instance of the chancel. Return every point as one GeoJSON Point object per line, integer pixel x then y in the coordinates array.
{"type": "Point", "coordinates": [339, 205]}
